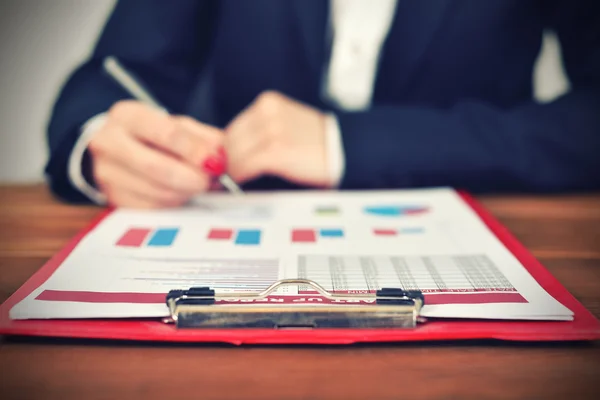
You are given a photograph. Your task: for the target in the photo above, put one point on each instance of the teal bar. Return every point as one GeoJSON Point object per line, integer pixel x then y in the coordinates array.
{"type": "Point", "coordinates": [248, 237]}
{"type": "Point", "coordinates": [163, 237]}
{"type": "Point", "coordinates": [412, 230]}
{"type": "Point", "coordinates": [332, 233]}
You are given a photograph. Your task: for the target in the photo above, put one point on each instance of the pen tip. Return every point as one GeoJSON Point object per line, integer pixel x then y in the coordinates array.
{"type": "Point", "coordinates": [230, 184]}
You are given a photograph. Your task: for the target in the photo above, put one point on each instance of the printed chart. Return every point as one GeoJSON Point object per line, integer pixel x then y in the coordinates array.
{"type": "Point", "coordinates": [358, 242]}
{"type": "Point", "coordinates": [395, 210]}
{"type": "Point", "coordinates": [446, 279]}
{"type": "Point", "coordinates": [139, 237]}
{"type": "Point", "coordinates": [158, 277]}
{"type": "Point", "coordinates": [247, 237]}
{"type": "Point", "coordinates": [413, 230]}
{"type": "Point", "coordinates": [329, 210]}
{"type": "Point", "coordinates": [313, 235]}
{"type": "Point", "coordinates": [233, 211]}
{"type": "Point", "coordinates": [229, 274]}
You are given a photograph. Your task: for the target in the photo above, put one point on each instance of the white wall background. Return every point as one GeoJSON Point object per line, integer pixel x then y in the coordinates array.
{"type": "Point", "coordinates": [42, 41]}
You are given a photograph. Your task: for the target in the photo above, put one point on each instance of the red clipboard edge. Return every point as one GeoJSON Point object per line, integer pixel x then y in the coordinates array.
{"type": "Point", "coordinates": [552, 285]}
{"type": "Point", "coordinates": [46, 271]}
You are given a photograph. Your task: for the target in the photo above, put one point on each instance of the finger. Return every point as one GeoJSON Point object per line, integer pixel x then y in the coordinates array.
{"type": "Point", "coordinates": [212, 136]}
{"type": "Point", "coordinates": [178, 136]}
{"type": "Point", "coordinates": [208, 154]}
{"type": "Point", "coordinates": [123, 180]}
{"type": "Point", "coordinates": [244, 136]}
{"type": "Point", "coordinates": [154, 164]}
{"type": "Point", "coordinates": [216, 186]}
{"type": "Point", "coordinates": [137, 116]}
{"type": "Point", "coordinates": [258, 125]}
{"type": "Point", "coordinates": [200, 141]}
{"type": "Point", "coordinates": [252, 166]}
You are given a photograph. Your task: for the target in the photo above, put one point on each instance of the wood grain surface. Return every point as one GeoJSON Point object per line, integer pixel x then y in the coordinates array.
{"type": "Point", "coordinates": [562, 231]}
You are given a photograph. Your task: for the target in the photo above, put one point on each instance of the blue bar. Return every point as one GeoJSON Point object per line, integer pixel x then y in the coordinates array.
{"type": "Point", "coordinates": [163, 237]}
{"type": "Point", "coordinates": [248, 237]}
{"type": "Point", "coordinates": [332, 232]}
{"type": "Point", "coordinates": [412, 230]}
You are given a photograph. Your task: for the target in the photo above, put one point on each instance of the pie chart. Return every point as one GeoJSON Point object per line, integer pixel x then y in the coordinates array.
{"type": "Point", "coordinates": [395, 210]}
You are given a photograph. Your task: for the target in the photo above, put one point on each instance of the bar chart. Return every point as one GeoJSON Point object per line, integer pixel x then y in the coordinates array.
{"type": "Point", "coordinates": [413, 230]}
{"type": "Point", "coordinates": [312, 235]}
{"type": "Point", "coordinates": [395, 210]}
{"type": "Point", "coordinates": [327, 210]}
{"type": "Point", "coordinates": [148, 237]}
{"type": "Point", "coordinates": [242, 237]}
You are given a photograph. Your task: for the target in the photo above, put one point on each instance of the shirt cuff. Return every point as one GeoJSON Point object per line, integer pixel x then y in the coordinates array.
{"type": "Point", "coordinates": [335, 150]}
{"type": "Point", "coordinates": [76, 160]}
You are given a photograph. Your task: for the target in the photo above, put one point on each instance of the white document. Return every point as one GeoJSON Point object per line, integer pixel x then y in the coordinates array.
{"type": "Point", "coordinates": [349, 242]}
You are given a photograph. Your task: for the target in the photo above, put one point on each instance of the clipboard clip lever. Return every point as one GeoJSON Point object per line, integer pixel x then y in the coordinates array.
{"type": "Point", "coordinates": [202, 307]}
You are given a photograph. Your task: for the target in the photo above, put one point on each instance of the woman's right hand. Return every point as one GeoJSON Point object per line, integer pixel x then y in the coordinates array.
{"type": "Point", "coordinates": [145, 158]}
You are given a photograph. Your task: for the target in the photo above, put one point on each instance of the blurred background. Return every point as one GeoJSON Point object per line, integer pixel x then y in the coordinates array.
{"type": "Point", "coordinates": [42, 41]}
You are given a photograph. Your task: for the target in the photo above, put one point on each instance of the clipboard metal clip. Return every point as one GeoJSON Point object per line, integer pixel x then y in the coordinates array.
{"type": "Point", "coordinates": [201, 307]}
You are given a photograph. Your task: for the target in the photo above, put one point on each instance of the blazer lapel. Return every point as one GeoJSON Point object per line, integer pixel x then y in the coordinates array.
{"type": "Point", "coordinates": [415, 24]}
{"type": "Point", "coordinates": [312, 16]}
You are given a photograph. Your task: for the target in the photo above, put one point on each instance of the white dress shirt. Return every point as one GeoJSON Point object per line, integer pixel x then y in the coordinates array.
{"type": "Point", "coordinates": [359, 29]}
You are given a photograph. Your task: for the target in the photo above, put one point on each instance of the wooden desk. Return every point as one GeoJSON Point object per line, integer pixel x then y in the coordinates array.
{"type": "Point", "coordinates": [563, 232]}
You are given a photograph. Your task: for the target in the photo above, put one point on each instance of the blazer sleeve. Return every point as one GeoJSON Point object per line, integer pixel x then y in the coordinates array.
{"type": "Point", "coordinates": [474, 146]}
{"type": "Point", "coordinates": [164, 43]}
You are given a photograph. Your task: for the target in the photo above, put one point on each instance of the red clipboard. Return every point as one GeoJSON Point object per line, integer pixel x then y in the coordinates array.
{"type": "Point", "coordinates": [584, 327]}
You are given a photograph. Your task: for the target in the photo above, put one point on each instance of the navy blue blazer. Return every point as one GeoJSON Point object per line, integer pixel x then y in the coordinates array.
{"type": "Point", "coordinates": [452, 105]}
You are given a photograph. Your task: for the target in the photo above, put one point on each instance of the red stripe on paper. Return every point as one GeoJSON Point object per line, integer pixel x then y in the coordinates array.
{"type": "Point", "coordinates": [102, 297]}
{"type": "Point", "coordinates": [474, 298]}
{"type": "Point", "coordinates": [133, 237]}
{"type": "Point", "coordinates": [454, 298]}
{"type": "Point", "coordinates": [158, 298]}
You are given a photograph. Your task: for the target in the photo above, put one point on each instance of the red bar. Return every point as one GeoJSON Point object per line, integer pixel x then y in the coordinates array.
{"type": "Point", "coordinates": [101, 297]}
{"type": "Point", "coordinates": [159, 298]}
{"type": "Point", "coordinates": [220, 234]}
{"type": "Point", "coordinates": [134, 237]}
{"type": "Point", "coordinates": [385, 232]}
{"type": "Point", "coordinates": [304, 236]}
{"type": "Point", "coordinates": [474, 298]}
{"type": "Point", "coordinates": [416, 211]}
{"type": "Point", "coordinates": [446, 298]}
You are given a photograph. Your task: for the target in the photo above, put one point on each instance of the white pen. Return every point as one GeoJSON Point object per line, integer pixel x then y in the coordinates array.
{"type": "Point", "coordinates": [114, 68]}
